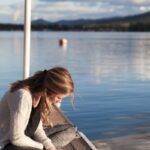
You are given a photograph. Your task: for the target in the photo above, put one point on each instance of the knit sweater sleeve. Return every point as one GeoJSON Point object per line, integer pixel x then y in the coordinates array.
{"type": "Point", "coordinates": [42, 137]}
{"type": "Point", "coordinates": [19, 105]}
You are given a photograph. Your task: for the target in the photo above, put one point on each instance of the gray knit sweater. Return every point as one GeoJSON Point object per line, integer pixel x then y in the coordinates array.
{"type": "Point", "coordinates": [15, 110]}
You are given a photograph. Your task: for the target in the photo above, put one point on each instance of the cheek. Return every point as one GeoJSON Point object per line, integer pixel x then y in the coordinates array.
{"type": "Point", "coordinates": [57, 100]}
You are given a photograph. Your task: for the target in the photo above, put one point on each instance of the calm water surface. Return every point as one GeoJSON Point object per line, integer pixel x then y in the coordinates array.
{"type": "Point", "coordinates": [111, 73]}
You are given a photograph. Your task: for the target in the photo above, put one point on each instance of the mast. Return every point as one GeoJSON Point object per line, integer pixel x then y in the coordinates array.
{"type": "Point", "coordinates": [27, 38]}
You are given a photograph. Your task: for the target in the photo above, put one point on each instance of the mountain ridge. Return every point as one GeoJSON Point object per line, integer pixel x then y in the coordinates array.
{"type": "Point", "coordinates": [131, 18]}
{"type": "Point", "coordinates": [138, 22]}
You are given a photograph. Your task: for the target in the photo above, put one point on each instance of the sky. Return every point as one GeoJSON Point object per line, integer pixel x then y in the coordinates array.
{"type": "Point", "coordinates": [12, 11]}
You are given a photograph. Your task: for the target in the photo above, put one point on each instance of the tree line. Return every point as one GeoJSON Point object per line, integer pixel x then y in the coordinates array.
{"type": "Point", "coordinates": [122, 26]}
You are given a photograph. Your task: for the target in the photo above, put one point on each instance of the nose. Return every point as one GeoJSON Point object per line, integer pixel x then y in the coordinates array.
{"type": "Point", "coordinates": [57, 100]}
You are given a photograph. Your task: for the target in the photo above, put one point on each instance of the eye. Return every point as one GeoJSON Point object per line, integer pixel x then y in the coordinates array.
{"type": "Point", "coordinates": [59, 98]}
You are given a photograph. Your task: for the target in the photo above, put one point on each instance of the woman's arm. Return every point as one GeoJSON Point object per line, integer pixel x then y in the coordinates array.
{"type": "Point", "coordinates": [19, 105]}
{"type": "Point", "coordinates": [42, 138]}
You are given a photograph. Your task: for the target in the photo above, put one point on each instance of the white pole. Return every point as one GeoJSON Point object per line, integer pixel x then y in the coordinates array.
{"type": "Point", "coordinates": [27, 34]}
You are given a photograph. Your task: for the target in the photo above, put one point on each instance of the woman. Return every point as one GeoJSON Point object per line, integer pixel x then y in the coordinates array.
{"type": "Point", "coordinates": [27, 106]}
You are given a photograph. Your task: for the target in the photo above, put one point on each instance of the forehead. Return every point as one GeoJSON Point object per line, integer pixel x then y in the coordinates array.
{"type": "Point", "coordinates": [62, 95]}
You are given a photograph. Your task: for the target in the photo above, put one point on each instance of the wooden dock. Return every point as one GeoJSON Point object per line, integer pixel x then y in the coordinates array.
{"type": "Point", "coordinates": [132, 142]}
{"type": "Point", "coordinates": [80, 143]}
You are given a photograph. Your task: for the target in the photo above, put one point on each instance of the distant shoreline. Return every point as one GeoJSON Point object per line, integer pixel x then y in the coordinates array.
{"type": "Point", "coordinates": [43, 28]}
{"type": "Point", "coordinates": [102, 28]}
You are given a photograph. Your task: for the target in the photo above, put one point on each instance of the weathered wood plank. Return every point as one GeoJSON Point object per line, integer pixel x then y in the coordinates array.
{"type": "Point", "coordinates": [57, 117]}
{"type": "Point", "coordinates": [132, 142]}
{"type": "Point", "coordinates": [77, 144]}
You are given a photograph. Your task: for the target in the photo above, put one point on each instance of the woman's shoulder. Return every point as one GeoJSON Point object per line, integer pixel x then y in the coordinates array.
{"type": "Point", "coordinates": [20, 95]}
{"type": "Point", "coordinates": [21, 92]}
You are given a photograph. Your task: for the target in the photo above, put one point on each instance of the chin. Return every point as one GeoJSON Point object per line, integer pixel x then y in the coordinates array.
{"type": "Point", "coordinates": [58, 104]}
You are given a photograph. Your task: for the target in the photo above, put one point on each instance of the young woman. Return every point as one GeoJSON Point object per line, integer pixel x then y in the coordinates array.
{"type": "Point", "coordinates": [27, 106]}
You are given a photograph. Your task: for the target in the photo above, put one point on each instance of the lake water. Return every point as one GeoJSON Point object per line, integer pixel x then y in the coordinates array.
{"type": "Point", "coordinates": [111, 72]}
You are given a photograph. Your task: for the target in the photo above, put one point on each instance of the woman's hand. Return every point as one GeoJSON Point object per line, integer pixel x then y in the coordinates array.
{"type": "Point", "coordinates": [52, 148]}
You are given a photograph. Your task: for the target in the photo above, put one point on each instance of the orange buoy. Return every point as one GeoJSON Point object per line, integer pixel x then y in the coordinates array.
{"type": "Point", "coordinates": [63, 42]}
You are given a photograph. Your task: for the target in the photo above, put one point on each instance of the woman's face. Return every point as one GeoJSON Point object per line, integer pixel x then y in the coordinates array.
{"type": "Point", "coordinates": [58, 98]}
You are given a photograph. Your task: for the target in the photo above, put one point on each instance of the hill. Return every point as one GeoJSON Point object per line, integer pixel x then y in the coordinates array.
{"type": "Point", "coordinates": [139, 22]}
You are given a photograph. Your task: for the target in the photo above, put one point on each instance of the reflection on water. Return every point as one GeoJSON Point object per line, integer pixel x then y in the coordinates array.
{"type": "Point", "coordinates": [111, 73]}
{"type": "Point", "coordinates": [142, 61]}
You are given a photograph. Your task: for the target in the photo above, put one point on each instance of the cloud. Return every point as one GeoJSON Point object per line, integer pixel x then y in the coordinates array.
{"type": "Point", "coordinates": [70, 0]}
{"type": "Point", "coordinates": [74, 9]}
{"type": "Point", "coordinates": [54, 10]}
{"type": "Point", "coordinates": [95, 1]}
{"type": "Point", "coordinates": [4, 9]}
{"type": "Point", "coordinates": [12, 13]}
{"type": "Point", "coordinates": [17, 12]}
{"type": "Point", "coordinates": [16, 15]}
{"type": "Point", "coordinates": [139, 2]}
{"type": "Point", "coordinates": [5, 18]}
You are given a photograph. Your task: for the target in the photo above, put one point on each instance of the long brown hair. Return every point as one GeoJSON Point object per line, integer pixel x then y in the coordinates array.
{"type": "Point", "coordinates": [51, 82]}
